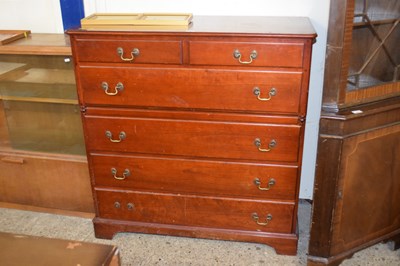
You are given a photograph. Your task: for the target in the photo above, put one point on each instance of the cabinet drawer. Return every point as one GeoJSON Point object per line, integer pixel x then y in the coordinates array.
{"type": "Point", "coordinates": [128, 51]}
{"type": "Point", "coordinates": [267, 54]}
{"type": "Point", "coordinates": [194, 176]}
{"type": "Point", "coordinates": [193, 138]}
{"type": "Point", "coordinates": [228, 213]}
{"type": "Point", "coordinates": [192, 88]}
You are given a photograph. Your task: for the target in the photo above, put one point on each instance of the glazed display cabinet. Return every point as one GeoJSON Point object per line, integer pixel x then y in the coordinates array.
{"type": "Point", "coordinates": [42, 151]}
{"type": "Point", "coordinates": [356, 195]}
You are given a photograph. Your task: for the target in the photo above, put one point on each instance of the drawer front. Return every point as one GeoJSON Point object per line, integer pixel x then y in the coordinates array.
{"type": "Point", "coordinates": [216, 89]}
{"type": "Point", "coordinates": [194, 176]}
{"type": "Point", "coordinates": [228, 213]}
{"type": "Point", "coordinates": [129, 51]}
{"type": "Point", "coordinates": [193, 138]}
{"type": "Point", "coordinates": [267, 54]}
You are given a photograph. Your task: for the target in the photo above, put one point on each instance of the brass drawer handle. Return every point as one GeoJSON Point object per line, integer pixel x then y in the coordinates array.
{"type": "Point", "coordinates": [135, 53]}
{"type": "Point", "coordinates": [257, 219]}
{"type": "Point", "coordinates": [257, 92]}
{"type": "Point", "coordinates": [119, 87]}
{"type": "Point", "coordinates": [125, 174]}
{"type": "Point", "coordinates": [237, 55]}
{"type": "Point", "coordinates": [117, 205]}
{"type": "Point", "coordinates": [121, 136]}
{"type": "Point", "coordinates": [270, 184]}
{"type": "Point", "coordinates": [272, 144]}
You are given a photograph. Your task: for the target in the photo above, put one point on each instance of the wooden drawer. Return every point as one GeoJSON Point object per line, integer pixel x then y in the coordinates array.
{"type": "Point", "coordinates": [192, 176]}
{"type": "Point", "coordinates": [193, 138]}
{"type": "Point", "coordinates": [228, 213]}
{"type": "Point", "coordinates": [149, 51]}
{"type": "Point", "coordinates": [192, 88]}
{"type": "Point", "coordinates": [268, 54]}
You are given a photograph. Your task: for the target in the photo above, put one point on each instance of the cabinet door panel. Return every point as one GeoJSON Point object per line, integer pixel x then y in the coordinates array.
{"type": "Point", "coordinates": [55, 183]}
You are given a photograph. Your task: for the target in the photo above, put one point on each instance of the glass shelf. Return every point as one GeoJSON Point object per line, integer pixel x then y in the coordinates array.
{"type": "Point", "coordinates": [39, 109]}
{"type": "Point", "coordinates": [39, 85]}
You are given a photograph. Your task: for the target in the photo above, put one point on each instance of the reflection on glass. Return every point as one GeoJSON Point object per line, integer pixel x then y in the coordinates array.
{"type": "Point", "coordinates": [39, 110]}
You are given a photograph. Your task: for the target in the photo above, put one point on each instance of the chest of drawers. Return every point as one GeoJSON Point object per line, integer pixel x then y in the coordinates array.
{"type": "Point", "coordinates": [197, 132]}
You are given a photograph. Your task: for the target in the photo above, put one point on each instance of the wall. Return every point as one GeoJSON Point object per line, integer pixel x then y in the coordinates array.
{"type": "Point", "coordinates": [37, 15]}
{"type": "Point", "coordinates": [45, 16]}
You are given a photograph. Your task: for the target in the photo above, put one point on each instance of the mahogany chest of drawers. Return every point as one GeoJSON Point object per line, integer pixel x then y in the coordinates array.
{"type": "Point", "coordinates": [197, 132]}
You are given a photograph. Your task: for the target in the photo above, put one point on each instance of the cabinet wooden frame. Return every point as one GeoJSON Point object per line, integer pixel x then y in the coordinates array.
{"type": "Point", "coordinates": [357, 170]}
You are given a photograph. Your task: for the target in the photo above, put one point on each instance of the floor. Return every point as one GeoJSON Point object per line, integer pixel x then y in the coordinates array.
{"type": "Point", "coordinates": [141, 249]}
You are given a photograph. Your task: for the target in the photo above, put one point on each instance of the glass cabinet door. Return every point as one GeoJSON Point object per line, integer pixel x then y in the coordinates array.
{"type": "Point", "coordinates": [39, 109]}
{"type": "Point", "coordinates": [374, 61]}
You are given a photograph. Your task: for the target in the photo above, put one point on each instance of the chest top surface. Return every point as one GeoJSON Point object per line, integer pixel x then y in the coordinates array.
{"type": "Point", "coordinates": [238, 25]}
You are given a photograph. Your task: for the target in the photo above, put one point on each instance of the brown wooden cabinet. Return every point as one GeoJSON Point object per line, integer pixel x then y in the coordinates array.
{"type": "Point", "coordinates": [356, 195]}
{"type": "Point", "coordinates": [197, 132]}
{"type": "Point", "coordinates": [42, 150]}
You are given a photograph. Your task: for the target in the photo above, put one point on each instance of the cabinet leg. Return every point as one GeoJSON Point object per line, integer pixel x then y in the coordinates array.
{"type": "Point", "coordinates": [104, 232]}
{"type": "Point", "coordinates": [287, 247]}
{"type": "Point", "coordinates": [331, 261]}
{"type": "Point", "coordinates": [311, 262]}
{"type": "Point", "coordinates": [394, 243]}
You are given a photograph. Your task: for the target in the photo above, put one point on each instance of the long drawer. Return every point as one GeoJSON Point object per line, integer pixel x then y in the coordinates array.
{"type": "Point", "coordinates": [228, 213]}
{"type": "Point", "coordinates": [203, 177]}
{"type": "Point", "coordinates": [218, 89]}
{"type": "Point", "coordinates": [250, 141]}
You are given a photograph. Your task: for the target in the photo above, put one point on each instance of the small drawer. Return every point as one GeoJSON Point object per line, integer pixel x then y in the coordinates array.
{"type": "Point", "coordinates": [203, 177]}
{"type": "Point", "coordinates": [128, 51]}
{"type": "Point", "coordinates": [227, 213]}
{"type": "Point", "coordinates": [210, 139]}
{"type": "Point", "coordinates": [268, 54]}
{"type": "Point", "coordinates": [195, 88]}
